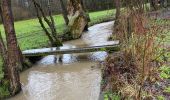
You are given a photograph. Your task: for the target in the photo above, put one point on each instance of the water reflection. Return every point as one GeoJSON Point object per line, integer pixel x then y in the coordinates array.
{"type": "Point", "coordinates": [63, 85]}
{"type": "Point", "coordinates": [72, 58]}
{"type": "Point", "coordinates": [68, 76]}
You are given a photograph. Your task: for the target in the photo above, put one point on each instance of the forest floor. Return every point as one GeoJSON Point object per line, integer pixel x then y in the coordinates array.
{"type": "Point", "coordinates": [167, 81]}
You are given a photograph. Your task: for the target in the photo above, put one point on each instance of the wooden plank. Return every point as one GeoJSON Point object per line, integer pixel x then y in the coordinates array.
{"type": "Point", "coordinates": [54, 50]}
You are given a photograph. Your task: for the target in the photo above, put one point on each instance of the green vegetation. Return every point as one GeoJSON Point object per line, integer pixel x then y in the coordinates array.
{"type": "Point", "coordinates": [110, 96]}
{"type": "Point", "coordinates": [30, 34]}
{"type": "Point", "coordinates": [4, 92]}
{"type": "Point", "coordinates": [167, 89]}
{"type": "Point", "coordinates": [165, 24]}
{"type": "Point", "coordinates": [136, 47]}
{"type": "Point", "coordinates": [160, 97]}
{"type": "Point", "coordinates": [165, 72]}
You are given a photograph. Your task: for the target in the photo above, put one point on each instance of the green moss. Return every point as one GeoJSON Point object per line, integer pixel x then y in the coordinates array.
{"type": "Point", "coordinates": [3, 84]}
{"type": "Point", "coordinates": [4, 92]}
{"type": "Point", "coordinates": [1, 71]}
{"type": "Point", "coordinates": [103, 49]}
{"type": "Point", "coordinates": [111, 96]}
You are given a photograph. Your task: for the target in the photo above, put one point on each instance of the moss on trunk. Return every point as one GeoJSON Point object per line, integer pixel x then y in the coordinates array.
{"type": "Point", "coordinates": [78, 18]}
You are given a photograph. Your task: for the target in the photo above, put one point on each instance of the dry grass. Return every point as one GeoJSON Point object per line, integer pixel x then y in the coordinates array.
{"type": "Point", "coordinates": [128, 71]}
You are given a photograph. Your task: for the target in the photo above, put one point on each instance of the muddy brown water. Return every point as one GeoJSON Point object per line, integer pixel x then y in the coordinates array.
{"type": "Point", "coordinates": [73, 77]}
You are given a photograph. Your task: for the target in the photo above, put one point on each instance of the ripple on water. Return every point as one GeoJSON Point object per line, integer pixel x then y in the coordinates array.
{"type": "Point", "coordinates": [68, 76]}
{"type": "Point", "coordinates": [69, 83]}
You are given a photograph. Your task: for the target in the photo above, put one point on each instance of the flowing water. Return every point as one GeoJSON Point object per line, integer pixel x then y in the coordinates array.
{"type": "Point", "coordinates": [68, 76]}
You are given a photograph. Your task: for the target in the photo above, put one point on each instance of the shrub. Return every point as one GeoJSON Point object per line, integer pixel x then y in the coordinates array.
{"type": "Point", "coordinates": [136, 65]}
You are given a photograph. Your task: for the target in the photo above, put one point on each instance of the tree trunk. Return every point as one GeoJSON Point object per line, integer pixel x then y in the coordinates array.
{"type": "Point", "coordinates": [78, 19]}
{"type": "Point", "coordinates": [117, 5]}
{"type": "Point", "coordinates": [52, 26]}
{"type": "Point", "coordinates": [13, 58]}
{"type": "Point", "coordinates": [87, 15]}
{"type": "Point", "coordinates": [154, 4]}
{"type": "Point", "coordinates": [55, 42]}
{"type": "Point", "coordinates": [64, 12]}
{"type": "Point", "coordinates": [168, 3]}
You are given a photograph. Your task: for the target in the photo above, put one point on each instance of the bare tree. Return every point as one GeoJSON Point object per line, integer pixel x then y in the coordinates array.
{"type": "Point", "coordinates": [118, 7]}
{"type": "Point", "coordinates": [10, 53]}
{"type": "Point", "coordinates": [52, 34]}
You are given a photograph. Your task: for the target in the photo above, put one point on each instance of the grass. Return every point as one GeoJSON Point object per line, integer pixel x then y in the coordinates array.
{"type": "Point", "coordinates": [111, 96]}
{"type": "Point", "coordinates": [30, 34]}
{"type": "Point", "coordinates": [160, 97]}
{"type": "Point", "coordinates": [167, 89]}
{"type": "Point", "coordinates": [165, 72]}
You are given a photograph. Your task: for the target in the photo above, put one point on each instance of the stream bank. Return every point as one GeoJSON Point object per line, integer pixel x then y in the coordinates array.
{"type": "Point", "coordinates": [73, 76]}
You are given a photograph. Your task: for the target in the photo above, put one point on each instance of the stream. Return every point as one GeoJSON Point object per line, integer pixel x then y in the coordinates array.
{"type": "Point", "coordinates": [73, 76]}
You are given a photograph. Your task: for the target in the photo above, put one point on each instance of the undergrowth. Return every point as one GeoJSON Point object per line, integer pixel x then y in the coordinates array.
{"type": "Point", "coordinates": [4, 92]}
{"type": "Point", "coordinates": [141, 66]}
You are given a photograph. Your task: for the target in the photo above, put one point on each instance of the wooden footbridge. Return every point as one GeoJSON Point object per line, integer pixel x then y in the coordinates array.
{"type": "Point", "coordinates": [107, 46]}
